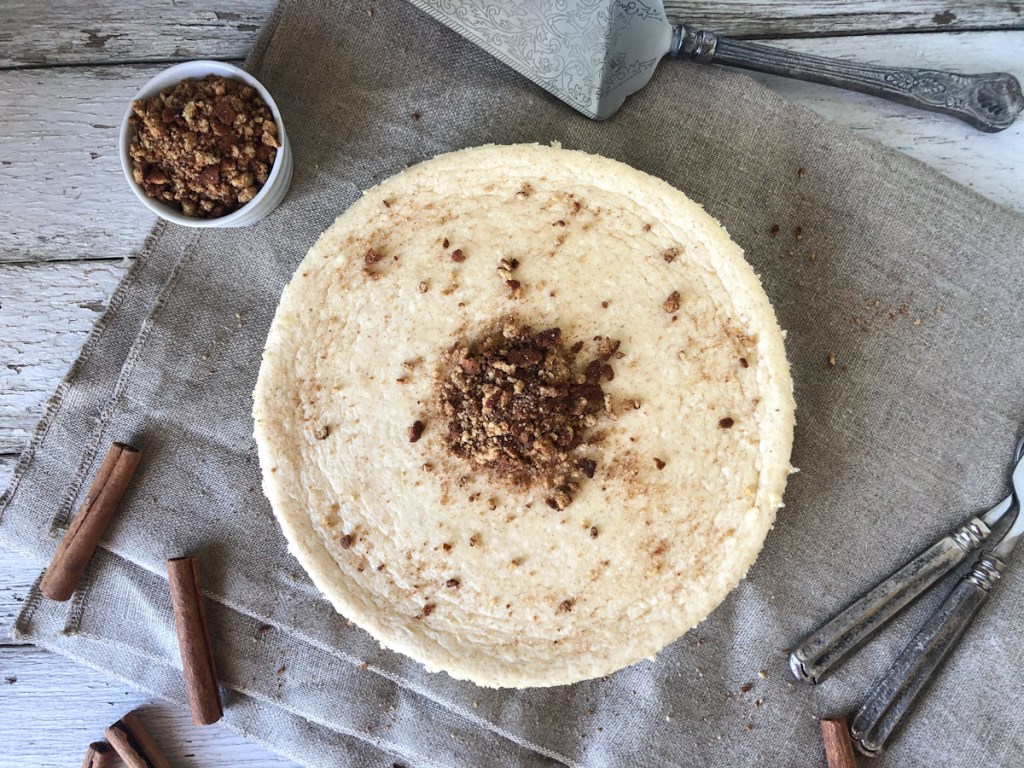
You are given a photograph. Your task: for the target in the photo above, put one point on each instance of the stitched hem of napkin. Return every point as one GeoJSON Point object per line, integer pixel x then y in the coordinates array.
{"type": "Point", "coordinates": [70, 631]}
{"type": "Point", "coordinates": [55, 646]}
{"type": "Point", "coordinates": [79, 606]}
{"type": "Point", "coordinates": [56, 400]}
{"type": "Point", "coordinates": [63, 514]}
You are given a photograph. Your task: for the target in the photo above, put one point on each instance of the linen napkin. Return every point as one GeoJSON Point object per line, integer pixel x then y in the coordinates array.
{"type": "Point", "coordinates": [901, 293]}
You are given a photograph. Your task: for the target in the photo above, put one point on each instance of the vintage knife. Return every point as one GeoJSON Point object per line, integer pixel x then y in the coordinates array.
{"type": "Point", "coordinates": [592, 54]}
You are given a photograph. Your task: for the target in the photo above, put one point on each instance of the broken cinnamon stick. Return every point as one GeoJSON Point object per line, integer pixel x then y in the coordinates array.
{"type": "Point", "coordinates": [194, 640]}
{"type": "Point", "coordinates": [838, 747]}
{"type": "Point", "coordinates": [87, 528]}
{"type": "Point", "coordinates": [99, 755]}
{"type": "Point", "coordinates": [134, 744]}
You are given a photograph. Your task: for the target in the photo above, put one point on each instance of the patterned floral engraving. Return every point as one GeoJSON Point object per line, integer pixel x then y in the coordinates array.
{"type": "Point", "coordinates": [593, 53]}
{"type": "Point", "coordinates": [589, 53]}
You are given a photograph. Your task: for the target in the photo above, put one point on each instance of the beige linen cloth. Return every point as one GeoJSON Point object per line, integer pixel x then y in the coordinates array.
{"type": "Point", "coordinates": [912, 282]}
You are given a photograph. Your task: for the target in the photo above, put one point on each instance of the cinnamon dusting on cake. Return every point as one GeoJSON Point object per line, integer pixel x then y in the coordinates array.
{"type": "Point", "coordinates": [518, 405]}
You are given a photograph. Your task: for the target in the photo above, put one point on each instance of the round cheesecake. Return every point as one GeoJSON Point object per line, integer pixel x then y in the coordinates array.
{"type": "Point", "coordinates": [524, 414]}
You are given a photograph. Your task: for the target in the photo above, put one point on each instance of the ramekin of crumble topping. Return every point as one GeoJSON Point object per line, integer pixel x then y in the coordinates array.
{"type": "Point", "coordinates": [203, 145]}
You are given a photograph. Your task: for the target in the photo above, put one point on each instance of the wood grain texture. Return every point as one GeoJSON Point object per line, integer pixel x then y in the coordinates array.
{"type": "Point", "coordinates": [66, 116]}
{"type": "Point", "coordinates": [779, 18]}
{"type": "Point", "coordinates": [60, 167]}
{"type": "Point", "coordinates": [46, 312]}
{"type": "Point", "coordinates": [104, 31]}
{"type": "Point", "coordinates": [7, 462]}
{"type": "Point", "coordinates": [17, 574]}
{"type": "Point", "coordinates": [55, 708]}
{"type": "Point", "coordinates": [992, 164]}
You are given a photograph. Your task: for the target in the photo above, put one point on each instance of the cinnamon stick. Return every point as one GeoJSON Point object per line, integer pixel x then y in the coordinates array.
{"type": "Point", "coordinates": [194, 640]}
{"type": "Point", "coordinates": [838, 747]}
{"type": "Point", "coordinates": [134, 744]}
{"type": "Point", "coordinates": [87, 528]}
{"type": "Point", "coordinates": [99, 755]}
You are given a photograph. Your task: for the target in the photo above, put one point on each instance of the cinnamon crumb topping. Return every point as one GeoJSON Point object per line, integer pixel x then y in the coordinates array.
{"type": "Point", "coordinates": [518, 407]}
{"type": "Point", "coordinates": [659, 463]}
{"type": "Point", "coordinates": [565, 606]}
{"type": "Point", "coordinates": [726, 423]}
{"type": "Point", "coordinates": [607, 347]}
{"type": "Point", "coordinates": [671, 303]}
{"type": "Point", "coordinates": [416, 431]}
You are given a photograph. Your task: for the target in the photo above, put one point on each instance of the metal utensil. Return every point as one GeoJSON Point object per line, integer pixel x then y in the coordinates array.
{"type": "Point", "coordinates": [894, 694]}
{"type": "Point", "coordinates": [821, 651]}
{"type": "Point", "coordinates": [592, 54]}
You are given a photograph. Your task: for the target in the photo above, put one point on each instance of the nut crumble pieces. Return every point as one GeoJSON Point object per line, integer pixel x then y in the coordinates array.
{"type": "Point", "coordinates": [518, 405]}
{"type": "Point", "coordinates": [204, 146]}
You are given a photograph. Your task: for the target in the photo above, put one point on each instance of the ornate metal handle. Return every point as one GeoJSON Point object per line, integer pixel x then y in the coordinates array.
{"type": "Point", "coordinates": [892, 697]}
{"type": "Point", "coordinates": [989, 102]}
{"type": "Point", "coordinates": [820, 652]}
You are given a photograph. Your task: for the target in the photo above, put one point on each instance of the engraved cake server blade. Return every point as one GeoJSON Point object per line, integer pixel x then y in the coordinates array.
{"type": "Point", "coordinates": [592, 54]}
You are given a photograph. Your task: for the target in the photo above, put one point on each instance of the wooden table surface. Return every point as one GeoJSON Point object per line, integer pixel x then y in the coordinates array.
{"type": "Point", "coordinates": [69, 227]}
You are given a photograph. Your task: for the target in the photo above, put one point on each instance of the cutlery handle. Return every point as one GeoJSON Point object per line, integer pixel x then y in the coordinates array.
{"type": "Point", "coordinates": [892, 697]}
{"type": "Point", "coordinates": [821, 651]}
{"type": "Point", "coordinates": [989, 102]}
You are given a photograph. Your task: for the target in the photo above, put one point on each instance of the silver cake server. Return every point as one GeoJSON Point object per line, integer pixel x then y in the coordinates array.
{"type": "Point", "coordinates": [592, 54]}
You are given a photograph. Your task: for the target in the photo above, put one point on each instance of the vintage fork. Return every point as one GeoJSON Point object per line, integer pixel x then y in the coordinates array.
{"type": "Point", "coordinates": [820, 652]}
{"type": "Point", "coordinates": [894, 694]}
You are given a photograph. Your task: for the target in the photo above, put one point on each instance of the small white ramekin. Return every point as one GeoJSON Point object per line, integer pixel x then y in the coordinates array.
{"type": "Point", "coordinates": [271, 194]}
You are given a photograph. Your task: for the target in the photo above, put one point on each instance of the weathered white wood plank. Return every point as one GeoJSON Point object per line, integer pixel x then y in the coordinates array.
{"type": "Point", "coordinates": [52, 708]}
{"type": "Point", "coordinates": [7, 462]}
{"type": "Point", "coordinates": [66, 118]}
{"type": "Point", "coordinates": [780, 18]}
{"type": "Point", "coordinates": [62, 192]}
{"type": "Point", "coordinates": [990, 164]}
{"type": "Point", "coordinates": [104, 31]}
{"type": "Point", "coordinates": [17, 574]}
{"type": "Point", "coordinates": [46, 311]}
